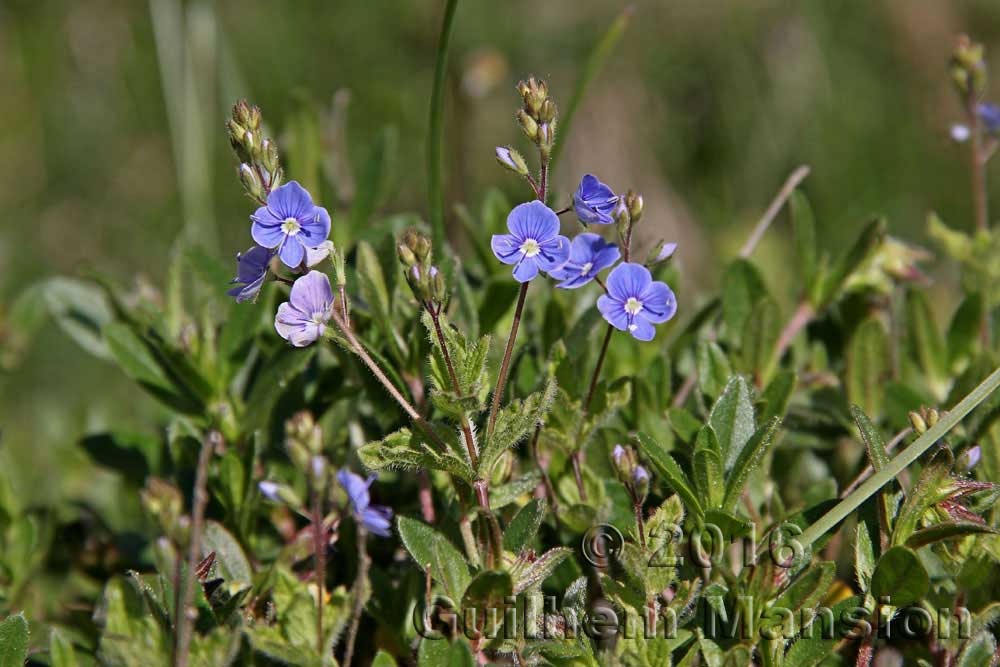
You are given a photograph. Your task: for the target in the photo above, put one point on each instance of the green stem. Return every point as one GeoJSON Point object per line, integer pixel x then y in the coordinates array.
{"type": "Point", "coordinates": [435, 179]}
{"type": "Point", "coordinates": [898, 464]}
{"type": "Point", "coordinates": [505, 365]}
{"type": "Point", "coordinates": [360, 584]}
{"type": "Point", "coordinates": [319, 552]}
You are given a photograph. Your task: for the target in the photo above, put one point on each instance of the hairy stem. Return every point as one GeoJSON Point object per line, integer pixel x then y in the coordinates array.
{"type": "Point", "coordinates": [360, 583]}
{"type": "Point", "coordinates": [343, 304]}
{"type": "Point", "coordinates": [505, 365]}
{"type": "Point", "coordinates": [199, 501]}
{"type": "Point", "coordinates": [359, 349]}
{"type": "Point", "coordinates": [319, 553]}
{"type": "Point", "coordinates": [640, 523]}
{"type": "Point", "coordinates": [470, 441]}
{"type": "Point", "coordinates": [575, 457]}
{"type": "Point", "coordinates": [495, 553]}
{"type": "Point", "coordinates": [550, 491]}
{"type": "Point", "coordinates": [802, 316]}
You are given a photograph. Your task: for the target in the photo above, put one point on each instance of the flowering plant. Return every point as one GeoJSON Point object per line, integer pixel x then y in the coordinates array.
{"type": "Point", "coordinates": [353, 470]}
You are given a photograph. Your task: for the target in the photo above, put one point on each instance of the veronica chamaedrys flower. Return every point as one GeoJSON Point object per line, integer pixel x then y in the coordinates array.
{"type": "Point", "coordinates": [316, 255]}
{"type": "Point", "coordinates": [290, 223]}
{"type": "Point", "coordinates": [251, 270]}
{"type": "Point", "coordinates": [589, 254]}
{"type": "Point", "coordinates": [594, 202]}
{"type": "Point", "coordinates": [534, 243]}
{"type": "Point", "coordinates": [302, 319]}
{"type": "Point", "coordinates": [376, 518]}
{"type": "Point", "coordinates": [989, 114]}
{"type": "Point", "coordinates": [635, 302]}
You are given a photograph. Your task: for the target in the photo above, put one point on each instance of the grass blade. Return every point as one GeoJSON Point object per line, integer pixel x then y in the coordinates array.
{"type": "Point", "coordinates": [435, 171]}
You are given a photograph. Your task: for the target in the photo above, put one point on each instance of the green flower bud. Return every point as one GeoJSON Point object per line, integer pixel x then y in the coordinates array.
{"type": "Point", "coordinates": [406, 256]}
{"type": "Point", "coordinates": [633, 201]}
{"type": "Point", "coordinates": [503, 469]}
{"type": "Point", "coordinates": [528, 124]}
{"type": "Point", "coordinates": [624, 461]}
{"type": "Point", "coordinates": [547, 113]}
{"type": "Point", "coordinates": [269, 155]}
{"type": "Point", "coordinates": [248, 177]}
{"type": "Point", "coordinates": [303, 438]}
{"type": "Point", "coordinates": [918, 423]}
{"type": "Point", "coordinates": [241, 112]}
{"type": "Point", "coordinates": [968, 67]}
{"type": "Point", "coordinates": [511, 159]}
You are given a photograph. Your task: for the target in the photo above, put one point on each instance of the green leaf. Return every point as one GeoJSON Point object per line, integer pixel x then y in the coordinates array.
{"type": "Point", "coordinates": [978, 651]}
{"type": "Point", "coordinates": [539, 569]}
{"type": "Point", "coordinates": [748, 460]}
{"type": "Point", "coordinates": [427, 546]}
{"type": "Point", "coordinates": [808, 588]}
{"type": "Point", "coordinates": [804, 233]}
{"type": "Point", "coordinates": [375, 293]}
{"type": "Point", "coordinates": [707, 469]}
{"type": "Point", "coordinates": [668, 469]}
{"type": "Point", "coordinates": [777, 395]}
{"type": "Point", "coordinates": [743, 288]}
{"type": "Point", "coordinates": [232, 563]}
{"type": "Point", "coordinates": [923, 494]}
{"type": "Point", "coordinates": [870, 238]}
{"type": "Point", "coordinates": [924, 336]}
{"type": "Point", "coordinates": [383, 659]}
{"type": "Point", "coordinates": [867, 366]}
{"type": "Point", "coordinates": [61, 651]}
{"type": "Point", "coordinates": [81, 310]}
{"type": "Point", "coordinates": [714, 368]}
{"type": "Point", "coordinates": [375, 179]}
{"type": "Point", "coordinates": [406, 450]}
{"type": "Point", "coordinates": [131, 637]}
{"type": "Point", "coordinates": [761, 331]}
{"type": "Point", "coordinates": [442, 653]}
{"type": "Point", "coordinates": [946, 530]}
{"type": "Point", "coordinates": [874, 445]}
{"type": "Point", "coordinates": [963, 332]}
{"type": "Point", "coordinates": [524, 525]}
{"type": "Point", "coordinates": [135, 357]}
{"type": "Point", "coordinates": [488, 590]}
{"type": "Point", "coordinates": [684, 424]}
{"type": "Point", "coordinates": [13, 641]}
{"type": "Point", "coordinates": [732, 419]}
{"type": "Point", "coordinates": [900, 576]}
{"type": "Point", "coordinates": [864, 556]}
{"type": "Point", "coordinates": [269, 384]}
{"type": "Point", "coordinates": [514, 423]}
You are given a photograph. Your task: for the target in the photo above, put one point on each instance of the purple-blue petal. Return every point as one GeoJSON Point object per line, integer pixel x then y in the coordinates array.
{"type": "Point", "coordinates": [506, 248]}
{"type": "Point", "coordinates": [594, 202]}
{"type": "Point", "coordinates": [292, 252]}
{"type": "Point", "coordinates": [641, 328]}
{"type": "Point", "coordinates": [526, 269]}
{"type": "Point", "coordinates": [356, 488]}
{"type": "Point", "coordinates": [613, 311]}
{"type": "Point", "coordinates": [533, 220]}
{"type": "Point", "coordinates": [658, 302]}
{"type": "Point", "coordinates": [312, 293]}
{"type": "Point", "coordinates": [266, 233]}
{"type": "Point", "coordinates": [377, 519]}
{"type": "Point", "coordinates": [628, 280]}
{"type": "Point", "coordinates": [553, 253]}
{"type": "Point", "coordinates": [291, 200]}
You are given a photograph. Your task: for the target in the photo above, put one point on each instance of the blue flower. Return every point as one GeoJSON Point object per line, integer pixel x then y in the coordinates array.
{"type": "Point", "coordinates": [589, 254]}
{"type": "Point", "coordinates": [291, 223]}
{"type": "Point", "coordinates": [635, 302]}
{"type": "Point", "coordinates": [534, 243]}
{"type": "Point", "coordinates": [594, 202]}
{"type": "Point", "coordinates": [251, 270]}
{"type": "Point", "coordinates": [302, 319]}
{"type": "Point", "coordinates": [376, 518]}
{"type": "Point", "coordinates": [990, 115]}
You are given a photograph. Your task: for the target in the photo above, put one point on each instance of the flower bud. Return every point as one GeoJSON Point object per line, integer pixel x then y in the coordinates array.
{"type": "Point", "coordinates": [969, 459]}
{"type": "Point", "coordinates": [279, 493]}
{"type": "Point", "coordinates": [547, 113]}
{"type": "Point", "coordinates": [968, 67]}
{"type": "Point", "coordinates": [624, 462]}
{"type": "Point", "coordinates": [546, 136]}
{"type": "Point", "coordinates": [918, 423]}
{"type": "Point", "coordinates": [250, 182]}
{"type": "Point", "coordinates": [241, 112]}
{"type": "Point", "coordinates": [303, 438]}
{"type": "Point", "coordinates": [661, 253]}
{"type": "Point", "coordinates": [269, 155]}
{"type": "Point", "coordinates": [512, 160]}
{"type": "Point", "coordinates": [528, 124]}
{"type": "Point", "coordinates": [438, 292]}
{"type": "Point", "coordinates": [164, 502]}
{"type": "Point", "coordinates": [633, 201]}
{"type": "Point", "coordinates": [640, 484]}
{"type": "Point", "coordinates": [406, 256]}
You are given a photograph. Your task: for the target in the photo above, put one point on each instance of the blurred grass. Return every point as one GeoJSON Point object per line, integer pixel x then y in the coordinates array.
{"type": "Point", "coordinates": [705, 106]}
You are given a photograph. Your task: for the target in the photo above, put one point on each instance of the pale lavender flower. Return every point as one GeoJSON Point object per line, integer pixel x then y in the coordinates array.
{"type": "Point", "coordinates": [376, 518]}
{"type": "Point", "coordinates": [290, 223]}
{"type": "Point", "coordinates": [316, 255]}
{"type": "Point", "coordinates": [534, 243]}
{"type": "Point", "coordinates": [269, 490]}
{"type": "Point", "coordinates": [594, 202]}
{"type": "Point", "coordinates": [635, 302]}
{"type": "Point", "coordinates": [251, 271]}
{"type": "Point", "coordinates": [589, 254]}
{"type": "Point", "coordinates": [302, 319]}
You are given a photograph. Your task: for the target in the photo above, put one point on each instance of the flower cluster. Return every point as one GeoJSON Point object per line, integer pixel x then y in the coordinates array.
{"type": "Point", "coordinates": [287, 225]}
{"type": "Point", "coordinates": [633, 301]}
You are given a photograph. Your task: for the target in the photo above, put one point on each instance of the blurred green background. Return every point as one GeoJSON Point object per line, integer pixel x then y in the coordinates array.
{"type": "Point", "coordinates": [112, 143]}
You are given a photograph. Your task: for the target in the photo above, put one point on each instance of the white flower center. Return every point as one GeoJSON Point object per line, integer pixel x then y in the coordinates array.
{"type": "Point", "coordinates": [585, 269]}
{"type": "Point", "coordinates": [290, 226]}
{"type": "Point", "coordinates": [318, 318]}
{"type": "Point", "coordinates": [530, 248]}
{"type": "Point", "coordinates": [633, 306]}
